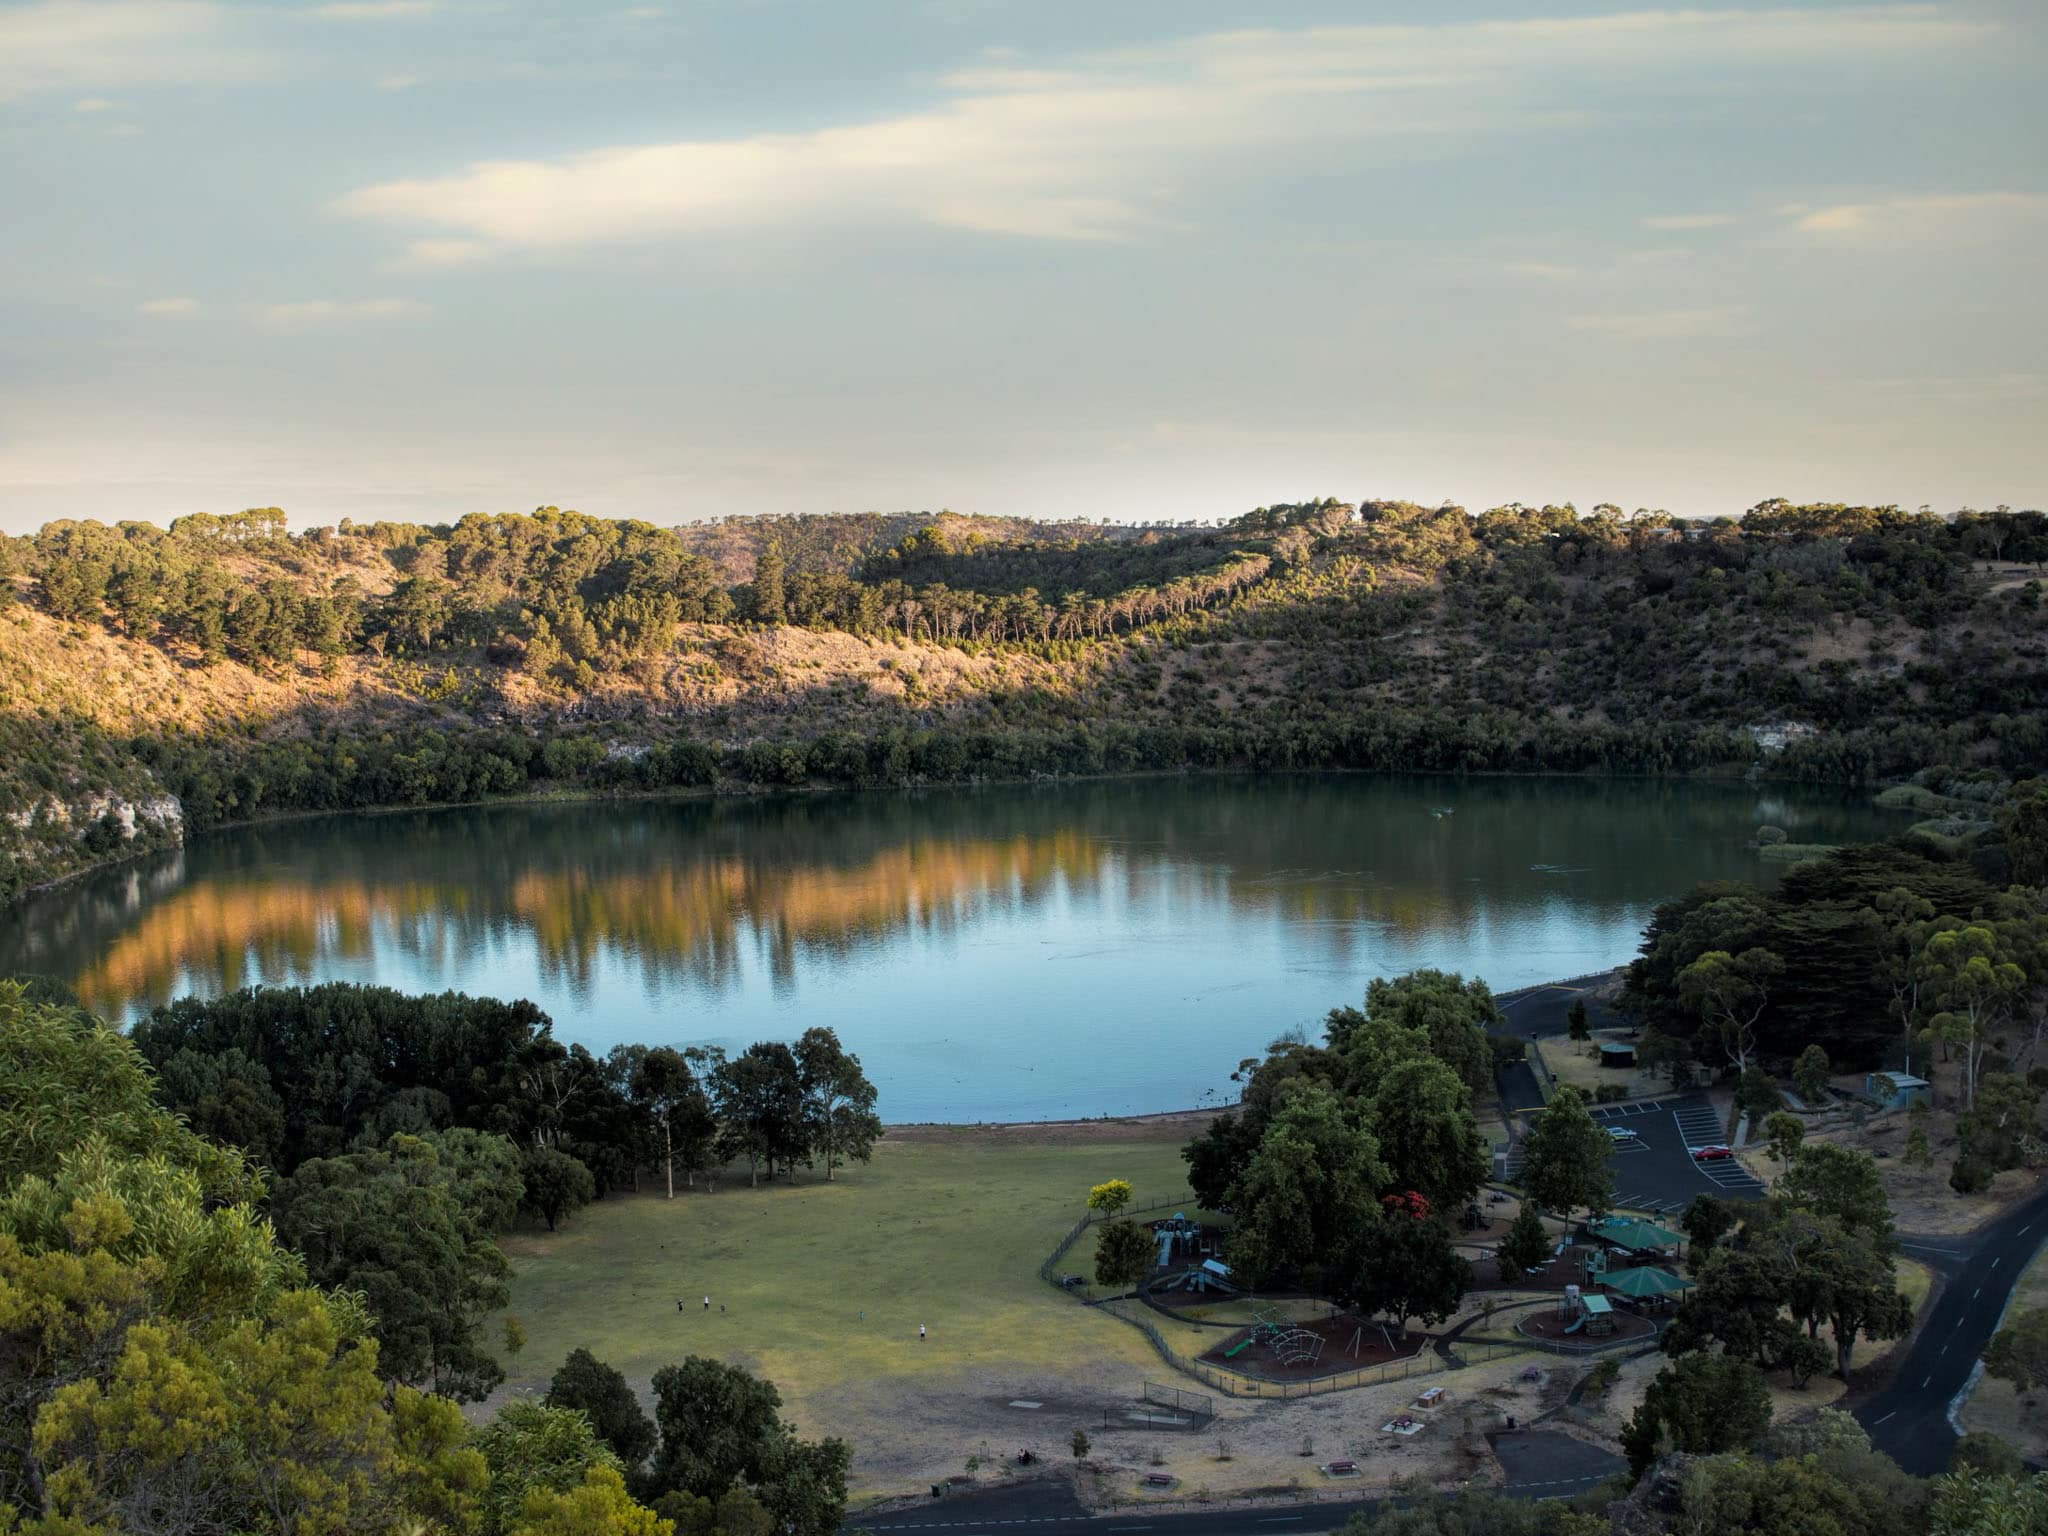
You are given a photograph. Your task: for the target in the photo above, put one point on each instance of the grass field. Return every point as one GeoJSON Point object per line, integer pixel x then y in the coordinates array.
{"type": "Point", "coordinates": [822, 1288]}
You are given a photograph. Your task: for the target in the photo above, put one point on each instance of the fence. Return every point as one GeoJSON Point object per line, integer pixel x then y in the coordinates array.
{"type": "Point", "coordinates": [1545, 1078]}
{"type": "Point", "coordinates": [1200, 1404]}
{"type": "Point", "coordinates": [1185, 1201]}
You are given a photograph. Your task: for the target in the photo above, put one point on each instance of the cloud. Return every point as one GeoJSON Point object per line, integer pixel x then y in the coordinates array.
{"type": "Point", "coordinates": [375, 10]}
{"type": "Point", "coordinates": [57, 45]}
{"type": "Point", "coordinates": [1683, 221]}
{"type": "Point", "coordinates": [1550, 271]}
{"type": "Point", "coordinates": [1666, 324]}
{"type": "Point", "coordinates": [444, 253]}
{"type": "Point", "coordinates": [174, 306]}
{"type": "Point", "coordinates": [321, 314]}
{"type": "Point", "coordinates": [1941, 213]}
{"type": "Point", "coordinates": [92, 104]}
{"type": "Point", "coordinates": [1106, 146]}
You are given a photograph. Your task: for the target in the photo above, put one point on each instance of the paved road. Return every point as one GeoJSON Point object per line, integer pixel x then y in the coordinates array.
{"type": "Point", "coordinates": [1909, 1419]}
{"type": "Point", "coordinates": [1531, 1013]}
{"type": "Point", "coordinates": [1540, 1464]}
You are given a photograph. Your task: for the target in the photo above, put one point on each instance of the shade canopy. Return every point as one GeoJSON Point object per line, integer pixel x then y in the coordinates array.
{"type": "Point", "coordinates": [1644, 1282]}
{"type": "Point", "coordinates": [1637, 1236]}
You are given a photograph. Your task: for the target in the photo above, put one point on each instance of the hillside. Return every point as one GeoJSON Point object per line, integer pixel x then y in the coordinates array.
{"type": "Point", "coordinates": [154, 682]}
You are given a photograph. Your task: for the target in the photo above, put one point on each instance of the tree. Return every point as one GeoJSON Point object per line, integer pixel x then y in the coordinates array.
{"type": "Point", "coordinates": [1756, 1095]}
{"type": "Point", "coordinates": [719, 1428]}
{"type": "Point", "coordinates": [1702, 1404]}
{"type": "Point", "coordinates": [1729, 994]}
{"type": "Point", "coordinates": [663, 1089]}
{"type": "Point", "coordinates": [1401, 1267]}
{"type": "Point", "coordinates": [1454, 1014]}
{"type": "Point", "coordinates": [597, 1506]}
{"type": "Point", "coordinates": [2001, 1130]}
{"type": "Point", "coordinates": [1526, 1244]}
{"type": "Point", "coordinates": [760, 1107]}
{"type": "Point", "coordinates": [1842, 1183]}
{"type": "Point", "coordinates": [1983, 1452]}
{"type": "Point", "coordinates": [2018, 1352]}
{"type": "Point", "coordinates": [396, 1225]}
{"type": "Point", "coordinates": [1420, 1114]}
{"type": "Point", "coordinates": [1810, 1074]}
{"type": "Point", "coordinates": [1972, 1503]}
{"type": "Point", "coordinates": [839, 1101]}
{"type": "Point", "coordinates": [533, 1446]}
{"type": "Point", "coordinates": [1564, 1158]}
{"type": "Point", "coordinates": [1782, 1134]}
{"type": "Point", "coordinates": [1576, 1026]}
{"type": "Point", "coordinates": [1108, 1198]}
{"type": "Point", "coordinates": [1706, 1221]}
{"type": "Point", "coordinates": [1218, 1156]}
{"type": "Point", "coordinates": [600, 1393]}
{"type": "Point", "coordinates": [720, 1433]}
{"type": "Point", "coordinates": [162, 1354]}
{"type": "Point", "coordinates": [1309, 1187]}
{"type": "Point", "coordinates": [1969, 976]}
{"type": "Point", "coordinates": [556, 1184]}
{"type": "Point", "coordinates": [1123, 1252]}
{"type": "Point", "coordinates": [1080, 1443]}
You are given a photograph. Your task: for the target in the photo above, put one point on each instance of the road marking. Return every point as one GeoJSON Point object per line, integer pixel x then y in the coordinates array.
{"type": "Point", "coordinates": [1892, 1414]}
{"type": "Point", "coordinates": [1994, 1263]}
{"type": "Point", "coordinates": [1280, 1520]}
{"type": "Point", "coordinates": [1924, 1381]}
{"type": "Point", "coordinates": [1976, 1293]}
{"type": "Point", "coordinates": [2023, 1230]}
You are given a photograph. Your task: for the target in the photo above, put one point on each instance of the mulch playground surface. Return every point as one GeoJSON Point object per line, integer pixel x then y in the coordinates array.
{"type": "Point", "coordinates": [1339, 1335]}
{"type": "Point", "coordinates": [1548, 1323]}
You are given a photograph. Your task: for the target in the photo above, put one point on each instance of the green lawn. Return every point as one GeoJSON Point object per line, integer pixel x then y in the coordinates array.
{"type": "Point", "coordinates": [824, 1285]}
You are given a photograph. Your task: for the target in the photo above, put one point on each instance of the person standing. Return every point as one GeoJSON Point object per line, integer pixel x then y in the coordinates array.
{"type": "Point", "coordinates": [707, 1303]}
{"type": "Point", "coordinates": [920, 1333]}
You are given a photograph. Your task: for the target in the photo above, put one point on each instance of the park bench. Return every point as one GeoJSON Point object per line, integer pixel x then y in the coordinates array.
{"type": "Point", "coordinates": [1158, 1480]}
{"type": "Point", "coordinates": [1345, 1468]}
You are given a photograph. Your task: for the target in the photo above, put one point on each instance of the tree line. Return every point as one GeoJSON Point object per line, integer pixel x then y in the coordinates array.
{"type": "Point", "coordinates": [404, 1134]}
{"type": "Point", "coordinates": [174, 1362]}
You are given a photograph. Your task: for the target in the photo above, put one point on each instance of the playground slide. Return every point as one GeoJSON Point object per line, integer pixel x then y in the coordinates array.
{"type": "Point", "coordinates": [1576, 1324]}
{"type": "Point", "coordinates": [1240, 1344]}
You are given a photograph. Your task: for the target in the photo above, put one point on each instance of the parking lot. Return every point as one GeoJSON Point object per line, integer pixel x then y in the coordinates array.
{"type": "Point", "coordinates": [1652, 1160]}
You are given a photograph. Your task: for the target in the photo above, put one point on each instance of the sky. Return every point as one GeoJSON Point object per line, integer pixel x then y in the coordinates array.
{"type": "Point", "coordinates": [1148, 259]}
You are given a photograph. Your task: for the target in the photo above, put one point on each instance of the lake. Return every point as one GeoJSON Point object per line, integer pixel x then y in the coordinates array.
{"type": "Point", "coordinates": [1027, 952]}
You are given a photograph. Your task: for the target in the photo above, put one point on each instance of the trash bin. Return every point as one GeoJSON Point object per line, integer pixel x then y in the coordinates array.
{"type": "Point", "coordinates": [938, 1489]}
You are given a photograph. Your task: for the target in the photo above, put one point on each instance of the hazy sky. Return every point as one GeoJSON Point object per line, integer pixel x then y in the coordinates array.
{"type": "Point", "coordinates": [416, 258]}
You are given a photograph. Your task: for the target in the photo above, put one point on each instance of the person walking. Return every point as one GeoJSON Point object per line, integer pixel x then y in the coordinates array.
{"type": "Point", "coordinates": [920, 1332]}
{"type": "Point", "coordinates": [707, 1303]}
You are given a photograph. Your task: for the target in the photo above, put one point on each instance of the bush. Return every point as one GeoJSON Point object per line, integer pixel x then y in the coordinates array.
{"type": "Point", "coordinates": [1609, 1093]}
{"type": "Point", "coordinates": [1971, 1175]}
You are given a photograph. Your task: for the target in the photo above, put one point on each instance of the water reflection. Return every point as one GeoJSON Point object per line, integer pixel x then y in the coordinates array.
{"type": "Point", "coordinates": [1071, 949]}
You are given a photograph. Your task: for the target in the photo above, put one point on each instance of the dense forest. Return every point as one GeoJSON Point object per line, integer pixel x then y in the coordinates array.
{"type": "Point", "coordinates": [272, 1330]}
{"type": "Point", "coordinates": [159, 681]}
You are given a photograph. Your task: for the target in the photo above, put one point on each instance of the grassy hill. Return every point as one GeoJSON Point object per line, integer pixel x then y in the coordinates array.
{"type": "Point", "coordinates": [155, 681]}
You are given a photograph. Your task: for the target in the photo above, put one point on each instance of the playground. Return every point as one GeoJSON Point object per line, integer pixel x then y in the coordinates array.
{"type": "Point", "coordinates": [1588, 1319]}
{"type": "Point", "coordinates": [1279, 1348]}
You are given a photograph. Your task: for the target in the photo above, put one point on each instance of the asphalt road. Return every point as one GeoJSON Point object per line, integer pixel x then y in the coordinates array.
{"type": "Point", "coordinates": [1529, 1013]}
{"type": "Point", "coordinates": [1909, 1419]}
{"type": "Point", "coordinates": [1540, 1464]}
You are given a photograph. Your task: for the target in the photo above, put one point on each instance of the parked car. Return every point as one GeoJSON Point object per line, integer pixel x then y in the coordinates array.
{"type": "Point", "coordinates": [1711, 1154]}
{"type": "Point", "coordinates": [1619, 1134]}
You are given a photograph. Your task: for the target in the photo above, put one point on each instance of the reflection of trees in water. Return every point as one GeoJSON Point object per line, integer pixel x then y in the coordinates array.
{"type": "Point", "coordinates": [688, 890]}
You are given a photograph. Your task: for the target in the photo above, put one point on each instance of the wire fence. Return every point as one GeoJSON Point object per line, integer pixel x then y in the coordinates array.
{"type": "Point", "coordinates": [1185, 1201]}
{"type": "Point", "coordinates": [1199, 1404]}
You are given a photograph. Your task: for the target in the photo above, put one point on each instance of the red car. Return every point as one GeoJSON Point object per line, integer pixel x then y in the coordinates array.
{"type": "Point", "coordinates": [1710, 1154]}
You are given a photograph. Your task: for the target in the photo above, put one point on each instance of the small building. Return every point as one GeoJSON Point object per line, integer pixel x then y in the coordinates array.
{"type": "Point", "coordinates": [1617, 1053]}
{"type": "Point", "coordinates": [1906, 1090]}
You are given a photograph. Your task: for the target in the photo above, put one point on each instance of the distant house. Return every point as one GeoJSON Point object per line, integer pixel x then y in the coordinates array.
{"type": "Point", "coordinates": [1906, 1090]}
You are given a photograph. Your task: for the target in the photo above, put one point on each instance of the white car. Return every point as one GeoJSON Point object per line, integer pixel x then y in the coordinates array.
{"type": "Point", "coordinates": [1620, 1134]}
